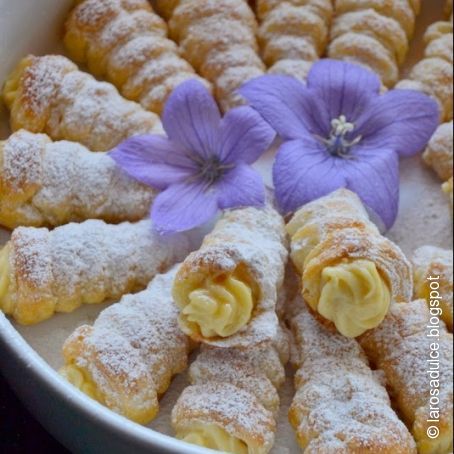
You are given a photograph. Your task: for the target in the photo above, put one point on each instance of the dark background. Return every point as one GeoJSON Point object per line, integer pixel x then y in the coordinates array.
{"type": "Point", "coordinates": [20, 433]}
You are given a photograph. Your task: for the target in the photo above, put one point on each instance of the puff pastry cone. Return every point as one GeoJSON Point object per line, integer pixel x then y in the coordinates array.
{"type": "Point", "coordinates": [218, 38]}
{"type": "Point", "coordinates": [439, 151]}
{"type": "Point", "coordinates": [45, 183]}
{"type": "Point", "coordinates": [433, 276]}
{"type": "Point", "coordinates": [50, 95]}
{"type": "Point", "coordinates": [374, 33]}
{"type": "Point", "coordinates": [292, 35]}
{"type": "Point", "coordinates": [43, 272]}
{"type": "Point", "coordinates": [416, 358]}
{"type": "Point", "coordinates": [232, 402]}
{"type": "Point", "coordinates": [125, 42]}
{"type": "Point", "coordinates": [127, 358]}
{"type": "Point", "coordinates": [340, 405]}
{"type": "Point", "coordinates": [350, 273]}
{"type": "Point", "coordinates": [227, 291]}
{"type": "Point", "coordinates": [439, 155]}
{"type": "Point", "coordinates": [433, 75]}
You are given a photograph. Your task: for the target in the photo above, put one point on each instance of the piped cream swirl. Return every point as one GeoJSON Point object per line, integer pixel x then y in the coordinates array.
{"type": "Point", "coordinates": [354, 297]}
{"type": "Point", "coordinates": [219, 307]}
{"type": "Point", "coordinates": [213, 437]}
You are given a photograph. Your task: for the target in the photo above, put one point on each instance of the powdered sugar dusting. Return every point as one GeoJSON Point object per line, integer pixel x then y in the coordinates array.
{"type": "Point", "coordinates": [54, 183]}
{"type": "Point", "coordinates": [125, 42]}
{"type": "Point", "coordinates": [401, 347]}
{"type": "Point", "coordinates": [90, 262]}
{"type": "Point", "coordinates": [133, 348]}
{"type": "Point", "coordinates": [340, 404]}
{"type": "Point", "coordinates": [293, 35]}
{"type": "Point", "coordinates": [254, 238]}
{"type": "Point", "coordinates": [235, 410]}
{"type": "Point", "coordinates": [220, 30]}
{"type": "Point", "coordinates": [65, 103]}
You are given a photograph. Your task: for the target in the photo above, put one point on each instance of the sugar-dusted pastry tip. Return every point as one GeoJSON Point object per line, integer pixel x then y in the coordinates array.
{"type": "Point", "coordinates": [49, 94]}
{"type": "Point", "coordinates": [227, 291]}
{"type": "Point", "coordinates": [350, 273]}
{"type": "Point", "coordinates": [127, 358]}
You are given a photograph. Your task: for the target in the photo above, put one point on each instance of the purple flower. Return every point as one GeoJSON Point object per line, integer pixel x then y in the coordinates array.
{"type": "Point", "coordinates": [338, 131]}
{"type": "Point", "coordinates": [204, 163]}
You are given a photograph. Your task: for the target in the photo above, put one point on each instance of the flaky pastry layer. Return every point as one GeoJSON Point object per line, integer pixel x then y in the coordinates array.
{"type": "Point", "coordinates": [350, 273]}
{"type": "Point", "coordinates": [125, 42]}
{"type": "Point", "coordinates": [45, 183]}
{"type": "Point", "coordinates": [49, 94]}
{"type": "Point", "coordinates": [126, 360]}
{"type": "Point", "coordinates": [227, 291]}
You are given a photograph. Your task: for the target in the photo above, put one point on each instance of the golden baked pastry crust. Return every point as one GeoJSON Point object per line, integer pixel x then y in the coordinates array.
{"type": "Point", "coordinates": [374, 33]}
{"type": "Point", "coordinates": [45, 183]}
{"type": "Point", "coordinates": [437, 264]}
{"type": "Point", "coordinates": [401, 344]}
{"type": "Point", "coordinates": [127, 358]}
{"type": "Point", "coordinates": [232, 403]}
{"type": "Point", "coordinates": [433, 75]}
{"type": "Point", "coordinates": [57, 271]}
{"type": "Point", "coordinates": [349, 271]}
{"type": "Point", "coordinates": [249, 246]}
{"type": "Point", "coordinates": [218, 38]}
{"type": "Point", "coordinates": [340, 405]}
{"type": "Point", "coordinates": [50, 95]}
{"type": "Point", "coordinates": [125, 42]}
{"type": "Point", "coordinates": [294, 34]}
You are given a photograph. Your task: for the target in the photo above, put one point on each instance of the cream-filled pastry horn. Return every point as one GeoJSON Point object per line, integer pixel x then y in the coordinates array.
{"type": "Point", "coordinates": [292, 35]}
{"type": "Point", "coordinates": [340, 405]}
{"type": "Point", "coordinates": [374, 34]}
{"type": "Point", "coordinates": [43, 272]}
{"type": "Point", "coordinates": [433, 276]}
{"type": "Point", "coordinates": [45, 183]}
{"type": "Point", "coordinates": [227, 291]}
{"type": "Point", "coordinates": [125, 42]}
{"type": "Point", "coordinates": [350, 273]}
{"type": "Point", "coordinates": [49, 94]}
{"type": "Point", "coordinates": [233, 401]}
{"type": "Point", "coordinates": [218, 38]}
{"type": "Point", "coordinates": [433, 74]}
{"type": "Point", "coordinates": [415, 353]}
{"type": "Point", "coordinates": [127, 358]}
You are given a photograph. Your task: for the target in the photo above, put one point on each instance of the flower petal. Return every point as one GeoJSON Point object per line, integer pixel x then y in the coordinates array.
{"type": "Point", "coordinates": [183, 207]}
{"type": "Point", "coordinates": [244, 136]}
{"type": "Point", "coordinates": [286, 105]}
{"type": "Point", "coordinates": [153, 160]}
{"type": "Point", "coordinates": [192, 118]}
{"type": "Point", "coordinates": [342, 88]}
{"type": "Point", "coordinates": [400, 120]}
{"type": "Point", "coordinates": [374, 176]}
{"type": "Point", "coordinates": [304, 171]}
{"type": "Point", "coordinates": [241, 187]}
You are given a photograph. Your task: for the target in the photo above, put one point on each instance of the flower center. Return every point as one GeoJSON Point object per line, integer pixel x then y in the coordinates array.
{"type": "Point", "coordinates": [337, 144]}
{"type": "Point", "coordinates": [212, 170]}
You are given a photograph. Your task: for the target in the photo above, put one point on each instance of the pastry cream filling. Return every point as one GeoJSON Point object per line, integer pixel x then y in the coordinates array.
{"type": "Point", "coordinates": [221, 307]}
{"type": "Point", "coordinates": [354, 297]}
{"type": "Point", "coordinates": [11, 85]}
{"type": "Point", "coordinates": [77, 378]}
{"type": "Point", "coordinates": [213, 437]}
{"type": "Point", "coordinates": [440, 445]}
{"type": "Point", "coordinates": [5, 297]}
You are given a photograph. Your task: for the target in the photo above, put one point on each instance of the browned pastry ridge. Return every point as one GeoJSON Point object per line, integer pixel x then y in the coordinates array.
{"type": "Point", "coordinates": [50, 95]}
{"type": "Point", "coordinates": [125, 42]}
